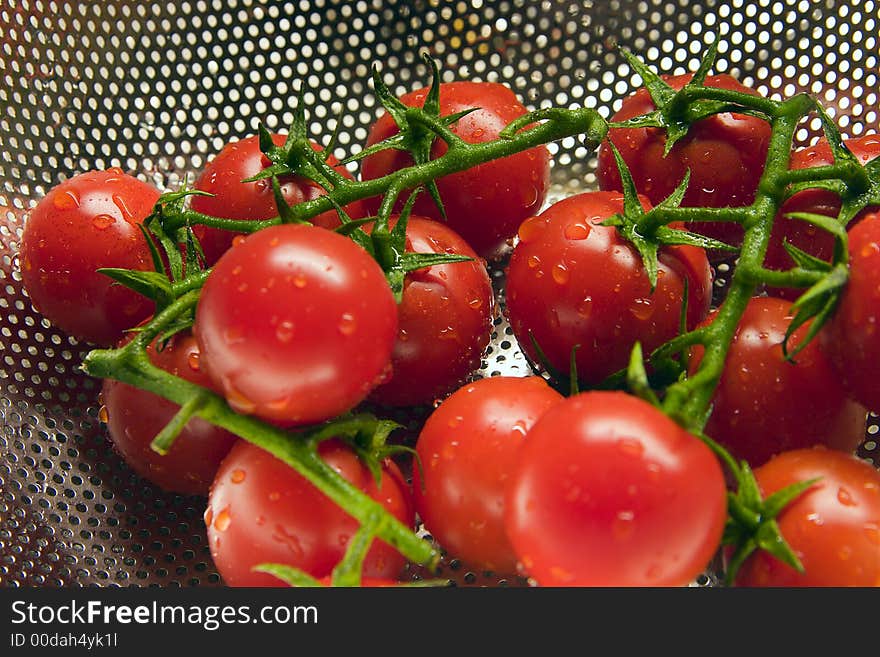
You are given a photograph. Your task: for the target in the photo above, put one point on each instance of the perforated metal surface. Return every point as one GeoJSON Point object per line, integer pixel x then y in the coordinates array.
{"type": "Point", "coordinates": [157, 87]}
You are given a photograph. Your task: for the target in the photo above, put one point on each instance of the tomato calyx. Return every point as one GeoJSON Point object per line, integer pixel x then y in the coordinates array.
{"type": "Point", "coordinates": [751, 522]}
{"type": "Point", "coordinates": [675, 110]}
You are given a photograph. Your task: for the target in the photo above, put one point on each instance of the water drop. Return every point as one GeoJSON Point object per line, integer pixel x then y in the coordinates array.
{"type": "Point", "coordinates": [576, 231]}
{"type": "Point", "coordinates": [531, 228]}
{"type": "Point", "coordinates": [222, 521]}
{"type": "Point", "coordinates": [238, 401]}
{"type": "Point", "coordinates": [642, 309]}
{"type": "Point", "coordinates": [347, 324]}
{"type": "Point", "coordinates": [845, 497]}
{"type": "Point", "coordinates": [66, 200]}
{"type": "Point", "coordinates": [533, 261]}
{"type": "Point", "coordinates": [586, 307]}
{"type": "Point", "coordinates": [300, 280]}
{"type": "Point", "coordinates": [104, 414]}
{"type": "Point", "coordinates": [284, 331]}
{"type": "Point", "coordinates": [193, 361]}
{"type": "Point", "coordinates": [561, 274]}
{"type": "Point", "coordinates": [623, 527]}
{"type": "Point", "coordinates": [119, 202]}
{"type": "Point", "coordinates": [103, 221]}
{"type": "Point", "coordinates": [631, 446]}
{"type": "Point", "coordinates": [208, 517]}
{"type": "Point", "coordinates": [237, 476]}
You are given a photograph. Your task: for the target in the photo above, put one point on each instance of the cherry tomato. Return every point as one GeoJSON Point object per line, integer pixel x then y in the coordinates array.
{"type": "Point", "coordinates": [234, 199]}
{"type": "Point", "coordinates": [135, 417]}
{"type": "Point", "coordinates": [296, 324]}
{"type": "Point", "coordinates": [467, 450]}
{"type": "Point", "coordinates": [83, 224]}
{"type": "Point", "coordinates": [485, 204]}
{"type": "Point", "coordinates": [445, 320]}
{"type": "Point", "coordinates": [801, 234]}
{"type": "Point", "coordinates": [764, 405]}
{"type": "Point", "coordinates": [572, 281]}
{"type": "Point", "coordinates": [851, 338]}
{"type": "Point", "coordinates": [725, 154]}
{"type": "Point", "coordinates": [833, 527]}
{"type": "Point", "coordinates": [608, 491]}
{"type": "Point", "coordinates": [260, 510]}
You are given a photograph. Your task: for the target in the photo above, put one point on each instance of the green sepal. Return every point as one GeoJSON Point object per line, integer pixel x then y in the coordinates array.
{"type": "Point", "coordinates": [706, 64]}
{"type": "Point", "coordinates": [805, 260]}
{"type": "Point", "coordinates": [857, 200]}
{"type": "Point", "coordinates": [414, 261]}
{"type": "Point", "coordinates": [661, 92]}
{"type": "Point", "coordinates": [816, 304]}
{"type": "Point", "coordinates": [672, 236]}
{"type": "Point", "coordinates": [151, 284]}
{"type": "Point", "coordinates": [288, 574]}
{"type": "Point", "coordinates": [637, 377]}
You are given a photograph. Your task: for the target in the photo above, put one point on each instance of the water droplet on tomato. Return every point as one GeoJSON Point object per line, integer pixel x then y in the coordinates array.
{"type": "Point", "coordinates": [845, 497]}
{"type": "Point", "coordinates": [844, 552]}
{"type": "Point", "coordinates": [104, 414]}
{"type": "Point", "coordinates": [193, 361]}
{"type": "Point", "coordinates": [519, 428]}
{"type": "Point", "coordinates": [237, 270]}
{"type": "Point", "coordinates": [869, 249]}
{"type": "Point", "coordinates": [208, 517]}
{"type": "Point", "coordinates": [455, 421]}
{"type": "Point", "coordinates": [233, 335]}
{"type": "Point", "coordinates": [284, 331]}
{"type": "Point", "coordinates": [531, 228]}
{"type": "Point", "coordinates": [476, 134]}
{"type": "Point", "coordinates": [560, 273]}
{"type": "Point", "coordinates": [530, 196]}
{"type": "Point", "coordinates": [642, 309]}
{"type": "Point", "coordinates": [274, 496]}
{"type": "Point", "coordinates": [533, 261]}
{"type": "Point", "coordinates": [631, 447]}
{"type": "Point", "coordinates": [222, 521]}
{"type": "Point", "coordinates": [476, 303]}
{"type": "Point", "coordinates": [300, 280]}
{"type": "Point", "coordinates": [449, 333]}
{"type": "Point", "coordinates": [585, 308]}
{"type": "Point", "coordinates": [623, 527]}
{"type": "Point", "coordinates": [576, 231]}
{"type": "Point", "coordinates": [119, 202]}
{"type": "Point", "coordinates": [103, 221]}
{"type": "Point", "coordinates": [66, 200]}
{"type": "Point", "coordinates": [872, 532]}
{"type": "Point", "coordinates": [347, 324]}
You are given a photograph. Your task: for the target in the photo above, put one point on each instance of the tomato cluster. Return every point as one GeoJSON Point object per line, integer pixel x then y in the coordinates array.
{"type": "Point", "coordinates": [296, 325]}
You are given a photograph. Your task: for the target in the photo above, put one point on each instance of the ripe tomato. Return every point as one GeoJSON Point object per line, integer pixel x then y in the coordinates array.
{"type": "Point", "coordinates": [485, 204]}
{"type": "Point", "coordinates": [608, 491]}
{"type": "Point", "coordinates": [234, 199]}
{"type": "Point", "coordinates": [764, 405]}
{"type": "Point", "coordinates": [445, 320]}
{"type": "Point", "coordinates": [83, 224]}
{"type": "Point", "coordinates": [135, 417]}
{"type": "Point", "coordinates": [833, 527]}
{"type": "Point", "coordinates": [572, 281]}
{"type": "Point", "coordinates": [467, 449]}
{"type": "Point", "coordinates": [725, 154]}
{"type": "Point", "coordinates": [801, 234]}
{"type": "Point", "coordinates": [851, 338]}
{"type": "Point", "coordinates": [260, 510]}
{"type": "Point", "coordinates": [296, 324]}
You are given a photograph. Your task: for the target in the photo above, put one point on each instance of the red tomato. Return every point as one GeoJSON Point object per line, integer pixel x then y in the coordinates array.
{"type": "Point", "coordinates": [725, 154]}
{"type": "Point", "coordinates": [135, 417]}
{"type": "Point", "coordinates": [262, 511]}
{"type": "Point", "coordinates": [833, 527]}
{"type": "Point", "coordinates": [296, 324]}
{"type": "Point", "coordinates": [234, 199]}
{"type": "Point", "coordinates": [801, 234]}
{"type": "Point", "coordinates": [467, 448]}
{"type": "Point", "coordinates": [85, 223]}
{"type": "Point", "coordinates": [764, 405]}
{"type": "Point", "coordinates": [445, 320]}
{"type": "Point", "coordinates": [851, 338]}
{"type": "Point", "coordinates": [485, 204]}
{"type": "Point", "coordinates": [572, 281]}
{"type": "Point", "coordinates": [608, 491]}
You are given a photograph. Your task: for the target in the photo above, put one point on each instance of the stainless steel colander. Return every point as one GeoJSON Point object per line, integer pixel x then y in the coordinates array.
{"type": "Point", "coordinates": [156, 88]}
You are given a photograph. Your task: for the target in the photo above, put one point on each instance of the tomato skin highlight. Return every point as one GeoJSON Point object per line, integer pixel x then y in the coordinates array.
{"type": "Point", "coordinates": [234, 199]}
{"type": "Point", "coordinates": [444, 320]}
{"type": "Point", "coordinates": [809, 238]}
{"type": "Point", "coordinates": [484, 204]}
{"type": "Point", "coordinates": [135, 417]}
{"type": "Point", "coordinates": [725, 154]}
{"type": "Point", "coordinates": [763, 406]}
{"type": "Point", "coordinates": [467, 448]}
{"type": "Point", "coordinates": [608, 491]}
{"type": "Point", "coordinates": [296, 324]}
{"type": "Point", "coordinates": [850, 338]}
{"type": "Point", "coordinates": [87, 222]}
{"type": "Point", "coordinates": [572, 281]}
{"type": "Point", "coordinates": [260, 510]}
{"type": "Point", "coordinates": [833, 527]}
